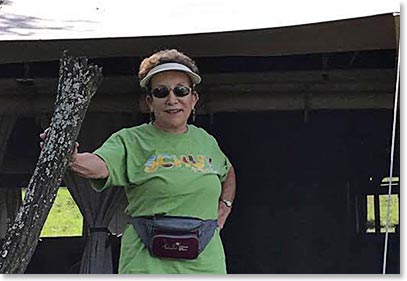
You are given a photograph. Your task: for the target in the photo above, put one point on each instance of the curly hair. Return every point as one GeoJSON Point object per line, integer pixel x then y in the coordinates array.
{"type": "Point", "coordinates": [164, 56]}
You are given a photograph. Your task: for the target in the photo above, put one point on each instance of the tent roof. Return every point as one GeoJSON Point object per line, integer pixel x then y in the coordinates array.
{"type": "Point", "coordinates": [77, 19]}
{"type": "Point", "coordinates": [93, 28]}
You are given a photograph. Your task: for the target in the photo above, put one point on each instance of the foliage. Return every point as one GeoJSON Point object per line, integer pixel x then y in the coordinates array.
{"type": "Point", "coordinates": [64, 219]}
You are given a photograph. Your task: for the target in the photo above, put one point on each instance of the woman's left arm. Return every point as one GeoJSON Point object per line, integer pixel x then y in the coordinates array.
{"type": "Point", "coordinates": [228, 194]}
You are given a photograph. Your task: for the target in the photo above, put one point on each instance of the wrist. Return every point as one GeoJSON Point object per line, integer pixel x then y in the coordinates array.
{"type": "Point", "coordinates": [227, 203]}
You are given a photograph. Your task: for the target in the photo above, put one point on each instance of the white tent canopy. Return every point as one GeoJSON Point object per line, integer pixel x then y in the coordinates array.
{"type": "Point", "coordinates": [78, 19]}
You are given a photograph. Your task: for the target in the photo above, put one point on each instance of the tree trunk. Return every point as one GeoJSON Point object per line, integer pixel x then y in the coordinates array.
{"type": "Point", "coordinates": [78, 82]}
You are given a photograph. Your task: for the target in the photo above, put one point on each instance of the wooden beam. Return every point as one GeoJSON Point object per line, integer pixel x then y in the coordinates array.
{"type": "Point", "coordinates": [340, 89]}
{"type": "Point", "coordinates": [297, 101]}
{"type": "Point", "coordinates": [45, 104]}
{"type": "Point", "coordinates": [218, 102]}
{"type": "Point", "coordinates": [112, 85]}
{"type": "Point", "coordinates": [308, 76]}
{"type": "Point", "coordinates": [284, 80]}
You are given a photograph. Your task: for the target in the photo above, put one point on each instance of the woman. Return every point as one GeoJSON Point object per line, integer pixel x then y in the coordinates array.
{"type": "Point", "coordinates": [170, 170]}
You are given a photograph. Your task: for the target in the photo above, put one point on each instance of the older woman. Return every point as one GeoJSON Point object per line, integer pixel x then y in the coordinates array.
{"type": "Point", "coordinates": [179, 184]}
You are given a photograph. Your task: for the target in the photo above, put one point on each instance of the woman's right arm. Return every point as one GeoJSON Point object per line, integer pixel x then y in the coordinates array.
{"type": "Point", "coordinates": [85, 164]}
{"type": "Point", "coordinates": [88, 165]}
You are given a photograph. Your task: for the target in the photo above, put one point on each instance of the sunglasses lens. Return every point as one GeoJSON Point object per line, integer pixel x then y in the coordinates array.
{"type": "Point", "coordinates": [160, 92]}
{"type": "Point", "coordinates": [181, 91]}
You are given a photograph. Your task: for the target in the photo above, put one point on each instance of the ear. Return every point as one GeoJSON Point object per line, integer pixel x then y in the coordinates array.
{"type": "Point", "coordinates": [149, 102]}
{"type": "Point", "coordinates": [195, 97]}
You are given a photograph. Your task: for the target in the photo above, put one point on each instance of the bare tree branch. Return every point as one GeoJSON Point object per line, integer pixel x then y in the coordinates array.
{"type": "Point", "coordinates": [78, 82]}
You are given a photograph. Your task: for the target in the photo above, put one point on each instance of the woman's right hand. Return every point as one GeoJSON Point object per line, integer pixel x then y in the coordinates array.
{"type": "Point", "coordinates": [43, 136]}
{"type": "Point", "coordinates": [85, 164]}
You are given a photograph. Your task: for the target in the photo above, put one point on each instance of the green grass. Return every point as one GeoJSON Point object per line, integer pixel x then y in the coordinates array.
{"type": "Point", "coordinates": [394, 212]}
{"type": "Point", "coordinates": [64, 219]}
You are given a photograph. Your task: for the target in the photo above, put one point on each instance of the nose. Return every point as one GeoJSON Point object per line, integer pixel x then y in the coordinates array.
{"type": "Point", "coordinates": [172, 98]}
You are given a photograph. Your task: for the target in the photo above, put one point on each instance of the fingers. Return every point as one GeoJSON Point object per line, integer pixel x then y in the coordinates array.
{"type": "Point", "coordinates": [74, 154]}
{"type": "Point", "coordinates": [44, 134]}
{"type": "Point", "coordinates": [75, 148]}
{"type": "Point", "coordinates": [220, 224]}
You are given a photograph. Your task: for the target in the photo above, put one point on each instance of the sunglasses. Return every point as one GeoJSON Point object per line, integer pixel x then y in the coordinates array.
{"type": "Point", "coordinates": [162, 92]}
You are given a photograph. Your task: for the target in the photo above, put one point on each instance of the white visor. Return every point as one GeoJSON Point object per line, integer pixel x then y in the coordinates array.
{"type": "Point", "coordinates": [195, 78]}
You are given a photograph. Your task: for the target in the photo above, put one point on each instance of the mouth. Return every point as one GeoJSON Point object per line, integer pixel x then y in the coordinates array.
{"type": "Point", "coordinates": [173, 111]}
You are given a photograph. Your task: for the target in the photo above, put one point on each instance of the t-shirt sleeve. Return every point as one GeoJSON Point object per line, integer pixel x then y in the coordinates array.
{"type": "Point", "coordinates": [222, 162]}
{"type": "Point", "coordinates": [114, 153]}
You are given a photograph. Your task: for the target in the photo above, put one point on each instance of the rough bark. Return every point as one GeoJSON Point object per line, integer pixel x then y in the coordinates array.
{"type": "Point", "coordinates": [78, 82]}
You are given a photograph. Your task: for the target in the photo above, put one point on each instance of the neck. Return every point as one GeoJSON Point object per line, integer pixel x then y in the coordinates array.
{"type": "Point", "coordinates": [177, 131]}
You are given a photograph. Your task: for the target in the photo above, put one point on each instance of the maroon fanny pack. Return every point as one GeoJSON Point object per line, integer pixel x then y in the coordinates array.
{"type": "Point", "coordinates": [179, 245]}
{"type": "Point", "coordinates": [174, 237]}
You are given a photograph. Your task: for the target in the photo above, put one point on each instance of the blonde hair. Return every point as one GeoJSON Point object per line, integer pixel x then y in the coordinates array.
{"type": "Point", "coordinates": [164, 56]}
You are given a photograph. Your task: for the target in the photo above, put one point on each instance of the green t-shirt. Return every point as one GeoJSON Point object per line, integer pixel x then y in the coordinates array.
{"type": "Point", "coordinates": [165, 173]}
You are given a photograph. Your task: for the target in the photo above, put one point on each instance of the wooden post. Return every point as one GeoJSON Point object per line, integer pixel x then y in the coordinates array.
{"type": "Point", "coordinates": [376, 201]}
{"type": "Point", "coordinates": [10, 202]}
{"type": "Point", "coordinates": [7, 206]}
{"type": "Point", "coordinates": [397, 29]}
{"type": "Point", "coordinates": [78, 82]}
{"type": "Point", "coordinates": [6, 127]}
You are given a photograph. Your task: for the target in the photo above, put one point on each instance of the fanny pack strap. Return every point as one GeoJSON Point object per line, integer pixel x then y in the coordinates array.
{"type": "Point", "coordinates": [144, 228]}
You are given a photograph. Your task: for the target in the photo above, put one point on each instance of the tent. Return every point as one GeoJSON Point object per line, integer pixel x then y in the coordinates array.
{"type": "Point", "coordinates": [299, 94]}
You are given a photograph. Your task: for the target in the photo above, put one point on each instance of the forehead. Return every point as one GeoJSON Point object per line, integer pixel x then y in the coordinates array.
{"type": "Point", "coordinates": [170, 77]}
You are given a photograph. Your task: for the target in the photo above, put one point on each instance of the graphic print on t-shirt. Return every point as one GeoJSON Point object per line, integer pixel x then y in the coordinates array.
{"type": "Point", "coordinates": [198, 163]}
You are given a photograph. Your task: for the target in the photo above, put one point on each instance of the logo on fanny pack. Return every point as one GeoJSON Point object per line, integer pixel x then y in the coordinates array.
{"type": "Point", "coordinates": [175, 247]}
{"type": "Point", "coordinates": [199, 163]}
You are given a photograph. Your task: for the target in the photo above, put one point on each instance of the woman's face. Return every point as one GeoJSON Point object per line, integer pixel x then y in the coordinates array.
{"type": "Point", "coordinates": [171, 112]}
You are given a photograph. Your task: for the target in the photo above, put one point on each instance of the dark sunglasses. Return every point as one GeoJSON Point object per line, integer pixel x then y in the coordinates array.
{"type": "Point", "coordinates": [179, 91]}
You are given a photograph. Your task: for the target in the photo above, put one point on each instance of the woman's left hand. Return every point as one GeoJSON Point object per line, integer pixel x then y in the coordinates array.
{"type": "Point", "coordinates": [223, 213]}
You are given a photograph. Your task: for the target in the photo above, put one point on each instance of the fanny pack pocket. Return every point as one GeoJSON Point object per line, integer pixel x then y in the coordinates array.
{"type": "Point", "coordinates": [174, 237]}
